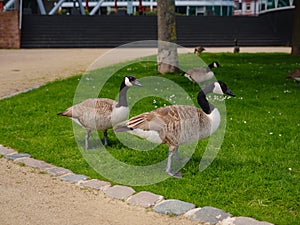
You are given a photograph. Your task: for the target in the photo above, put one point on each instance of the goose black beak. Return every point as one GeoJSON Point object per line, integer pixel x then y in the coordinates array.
{"type": "Point", "coordinates": [229, 92]}
{"type": "Point", "coordinates": [136, 83]}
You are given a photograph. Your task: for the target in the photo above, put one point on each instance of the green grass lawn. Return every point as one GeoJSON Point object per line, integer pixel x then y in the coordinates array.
{"type": "Point", "coordinates": [256, 172]}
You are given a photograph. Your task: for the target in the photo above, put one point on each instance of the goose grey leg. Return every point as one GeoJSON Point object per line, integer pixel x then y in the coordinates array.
{"type": "Point", "coordinates": [87, 136]}
{"type": "Point", "coordinates": [176, 154]}
{"type": "Point", "coordinates": [105, 137]}
{"type": "Point", "coordinates": [184, 160]}
{"type": "Point", "coordinates": [169, 164]}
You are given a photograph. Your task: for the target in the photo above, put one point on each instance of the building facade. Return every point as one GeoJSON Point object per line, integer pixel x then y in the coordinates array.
{"type": "Point", "coordinates": [149, 7]}
{"type": "Point", "coordinates": [256, 7]}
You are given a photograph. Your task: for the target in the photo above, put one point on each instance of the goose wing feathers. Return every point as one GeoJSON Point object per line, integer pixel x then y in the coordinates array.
{"type": "Point", "coordinates": [97, 105]}
{"type": "Point", "coordinates": [174, 124]}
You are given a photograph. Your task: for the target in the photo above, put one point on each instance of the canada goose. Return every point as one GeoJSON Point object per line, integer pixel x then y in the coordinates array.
{"type": "Point", "coordinates": [198, 50]}
{"type": "Point", "coordinates": [236, 48]}
{"type": "Point", "coordinates": [201, 74]}
{"type": "Point", "coordinates": [296, 76]}
{"type": "Point", "coordinates": [101, 113]}
{"type": "Point", "coordinates": [178, 124]}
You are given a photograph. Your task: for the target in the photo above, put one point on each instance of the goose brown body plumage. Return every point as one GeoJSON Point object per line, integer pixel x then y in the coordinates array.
{"type": "Point", "coordinates": [178, 124]}
{"type": "Point", "coordinates": [173, 124]}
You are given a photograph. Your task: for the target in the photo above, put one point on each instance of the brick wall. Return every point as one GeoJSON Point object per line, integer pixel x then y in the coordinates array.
{"type": "Point", "coordinates": [9, 30]}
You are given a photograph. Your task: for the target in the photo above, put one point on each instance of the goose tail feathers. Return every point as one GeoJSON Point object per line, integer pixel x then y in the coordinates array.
{"type": "Point", "coordinates": [61, 114]}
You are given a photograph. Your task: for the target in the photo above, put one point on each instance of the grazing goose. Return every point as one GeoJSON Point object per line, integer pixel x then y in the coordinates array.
{"type": "Point", "coordinates": [101, 113]}
{"type": "Point", "coordinates": [199, 75]}
{"type": "Point", "coordinates": [296, 76]}
{"type": "Point", "coordinates": [178, 124]}
{"type": "Point", "coordinates": [198, 50]}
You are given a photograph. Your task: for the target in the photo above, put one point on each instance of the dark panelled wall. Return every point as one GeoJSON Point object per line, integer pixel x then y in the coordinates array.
{"type": "Point", "coordinates": [111, 31]}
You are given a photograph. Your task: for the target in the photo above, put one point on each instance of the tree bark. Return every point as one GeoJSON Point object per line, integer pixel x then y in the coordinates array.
{"type": "Point", "coordinates": [167, 57]}
{"type": "Point", "coordinates": [296, 30]}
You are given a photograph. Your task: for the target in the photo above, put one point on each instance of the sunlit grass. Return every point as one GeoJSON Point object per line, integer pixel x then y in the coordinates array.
{"type": "Point", "coordinates": [257, 170]}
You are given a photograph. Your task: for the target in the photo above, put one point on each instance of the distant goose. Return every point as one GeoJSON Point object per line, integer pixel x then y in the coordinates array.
{"type": "Point", "coordinates": [236, 48]}
{"type": "Point", "coordinates": [296, 76]}
{"type": "Point", "coordinates": [101, 113]}
{"type": "Point", "coordinates": [178, 124]}
{"type": "Point", "coordinates": [201, 74]}
{"type": "Point", "coordinates": [198, 50]}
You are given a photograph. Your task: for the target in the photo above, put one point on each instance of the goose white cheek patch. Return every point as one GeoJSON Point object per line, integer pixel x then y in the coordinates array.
{"type": "Point", "coordinates": [127, 82]}
{"type": "Point", "coordinates": [217, 89]}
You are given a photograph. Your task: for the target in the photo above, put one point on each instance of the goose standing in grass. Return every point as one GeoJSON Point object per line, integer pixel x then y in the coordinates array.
{"type": "Point", "coordinates": [178, 124]}
{"type": "Point", "coordinates": [296, 76]}
{"type": "Point", "coordinates": [101, 113]}
{"type": "Point", "coordinates": [202, 74]}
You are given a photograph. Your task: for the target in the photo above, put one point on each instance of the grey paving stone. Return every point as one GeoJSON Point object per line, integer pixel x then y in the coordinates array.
{"type": "Point", "coordinates": [73, 178]}
{"type": "Point", "coordinates": [144, 199]}
{"type": "Point", "coordinates": [173, 206]}
{"type": "Point", "coordinates": [58, 171]}
{"type": "Point", "coordinates": [119, 192]}
{"type": "Point", "coordinates": [207, 214]}
{"type": "Point", "coordinates": [6, 151]}
{"type": "Point", "coordinates": [248, 221]}
{"type": "Point", "coordinates": [96, 184]}
{"type": "Point", "coordinates": [16, 156]}
{"type": "Point", "coordinates": [34, 163]}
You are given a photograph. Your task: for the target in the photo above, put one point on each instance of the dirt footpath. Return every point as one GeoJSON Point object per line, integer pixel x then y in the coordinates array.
{"type": "Point", "coordinates": [25, 68]}
{"type": "Point", "coordinates": [30, 197]}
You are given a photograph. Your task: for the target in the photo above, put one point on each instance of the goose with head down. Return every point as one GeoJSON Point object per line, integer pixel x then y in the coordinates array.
{"type": "Point", "coordinates": [178, 124]}
{"type": "Point", "coordinates": [101, 113]}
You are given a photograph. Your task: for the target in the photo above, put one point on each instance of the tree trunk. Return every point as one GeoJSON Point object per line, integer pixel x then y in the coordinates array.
{"type": "Point", "coordinates": [167, 58]}
{"type": "Point", "coordinates": [296, 30]}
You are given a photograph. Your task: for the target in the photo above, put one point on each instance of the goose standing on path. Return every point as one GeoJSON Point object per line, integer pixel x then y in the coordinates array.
{"type": "Point", "coordinates": [202, 74]}
{"type": "Point", "coordinates": [236, 48]}
{"type": "Point", "coordinates": [296, 76]}
{"type": "Point", "coordinates": [101, 113]}
{"type": "Point", "coordinates": [178, 124]}
{"type": "Point", "coordinates": [198, 50]}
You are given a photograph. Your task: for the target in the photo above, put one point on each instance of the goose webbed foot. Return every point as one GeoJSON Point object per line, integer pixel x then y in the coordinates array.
{"type": "Point", "coordinates": [175, 175]}
{"type": "Point", "coordinates": [168, 168]}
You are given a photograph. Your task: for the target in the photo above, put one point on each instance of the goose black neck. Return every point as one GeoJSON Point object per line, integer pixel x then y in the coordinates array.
{"type": "Point", "coordinates": [210, 66]}
{"type": "Point", "coordinates": [203, 102]}
{"type": "Point", "coordinates": [123, 95]}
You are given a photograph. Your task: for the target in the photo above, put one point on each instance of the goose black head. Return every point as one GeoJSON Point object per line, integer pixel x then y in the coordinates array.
{"type": "Point", "coordinates": [214, 64]}
{"type": "Point", "coordinates": [130, 81]}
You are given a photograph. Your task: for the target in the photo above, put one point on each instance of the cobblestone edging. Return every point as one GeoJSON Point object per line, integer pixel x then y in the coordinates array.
{"type": "Point", "coordinates": [206, 215]}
